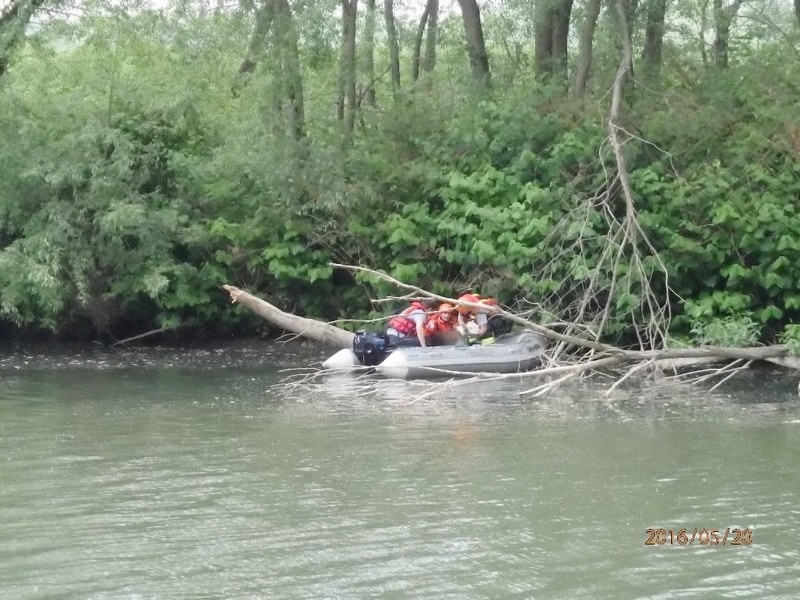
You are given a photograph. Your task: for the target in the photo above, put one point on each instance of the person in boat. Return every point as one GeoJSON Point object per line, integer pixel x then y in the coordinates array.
{"type": "Point", "coordinates": [480, 324]}
{"type": "Point", "coordinates": [408, 327]}
{"type": "Point", "coordinates": [441, 325]}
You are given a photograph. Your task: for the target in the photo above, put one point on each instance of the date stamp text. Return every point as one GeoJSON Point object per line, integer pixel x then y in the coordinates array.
{"type": "Point", "coordinates": [730, 536]}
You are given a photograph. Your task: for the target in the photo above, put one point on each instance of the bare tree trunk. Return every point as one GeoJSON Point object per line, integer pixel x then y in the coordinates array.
{"type": "Point", "coordinates": [368, 53]}
{"type": "Point", "coordinates": [347, 90]}
{"type": "Point", "coordinates": [476, 47]}
{"type": "Point", "coordinates": [256, 46]}
{"type": "Point", "coordinates": [797, 11]}
{"type": "Point", "coordinates": [275, 18]}
{"type": "Point", "coordinates": [723, 19]}
{"type": "Point", "coordinates": [394, 46]}
{"type": "Point", "coordinates": [561, 16]}
{"type": "Point", "coordinates": [623, 74]}
{"type": "Point", "coordinates": [627, 241]}
{"type": "Point", "coordinates": [584, 66]}
{"type": "Point", "coordinates": [289, 63]}
{"type": "Point", "coordinates": [309, 328]}
{"type": "Point", "coordinates": [429, 58]}
{"type": "Point", "coordinates": [719, 49]}
{"type": "Point", "coordinates": [625, 12]}
{"type": "Point", "coordinates": [428, 29]}
{"type": "Point", "coordinates": [416, 52]}
{"type": "Point", "coordinates": [703, 9]}
{"type": "Point", "coordinates": [551, 38]}
{"type": "Point", "coordinates": [653, 39]}
{"type": "Point", "coordinates": [543, 39]}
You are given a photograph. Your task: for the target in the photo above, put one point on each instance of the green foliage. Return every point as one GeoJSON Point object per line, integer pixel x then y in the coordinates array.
{"type": "Point", "coordinates": [738, 331]}
{"type": "Point", "coordinates": [137, 183]}
{"type": "Point", "coordinates": [790, 337]}
{"type": "Point", "coordinates": [100, 221]}
{"type": "Point", "coordinates": [291, 257]}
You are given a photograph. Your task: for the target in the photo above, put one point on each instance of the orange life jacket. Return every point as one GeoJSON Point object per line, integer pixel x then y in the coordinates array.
{"type": "Point", "coordinates": [436, 324]}
{"type": "Point", "coordinates": [467, 312]}
{"type": "Point", "coordinates": [402, 323]}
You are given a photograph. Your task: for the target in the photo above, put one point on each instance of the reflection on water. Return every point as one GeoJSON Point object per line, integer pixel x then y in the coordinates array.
{"type": "Point", "coordinates": [231, 473]}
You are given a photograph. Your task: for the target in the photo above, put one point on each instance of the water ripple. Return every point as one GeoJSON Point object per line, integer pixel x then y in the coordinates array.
{"type": "Point", "coordinates": [168, 477]}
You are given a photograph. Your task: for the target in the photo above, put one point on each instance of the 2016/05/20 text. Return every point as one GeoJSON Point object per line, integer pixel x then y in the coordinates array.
{"type": "Point", "coordinates": [704, 537]}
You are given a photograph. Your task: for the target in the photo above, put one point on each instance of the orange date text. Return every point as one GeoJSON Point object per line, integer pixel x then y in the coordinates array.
{"type": "Point", "coordinates": [697, 536]}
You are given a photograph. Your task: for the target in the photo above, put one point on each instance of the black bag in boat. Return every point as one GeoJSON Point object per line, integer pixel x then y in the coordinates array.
{"type": "Point", "coordinates": [371, 347]}
{"type": "Point", "coordinates": [498, 325]}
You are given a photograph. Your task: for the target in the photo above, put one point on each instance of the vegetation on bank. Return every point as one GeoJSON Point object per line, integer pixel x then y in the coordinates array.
{"type": "Point", "coordinates": [146, 163]}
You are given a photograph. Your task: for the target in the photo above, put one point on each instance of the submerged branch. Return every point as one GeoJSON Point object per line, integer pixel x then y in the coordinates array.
{"type": "Point", "coordinates": [141, 336]}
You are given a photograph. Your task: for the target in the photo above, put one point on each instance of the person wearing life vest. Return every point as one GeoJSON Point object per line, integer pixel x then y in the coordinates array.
{"type": "Point", "coordinates": [410, 324]}
{"type": "Point", "coordinates": [480, 323]}
{"type": "Point", "coordinates": [441, 325]}
{"type": "Point", "coordinates": [471, 321]}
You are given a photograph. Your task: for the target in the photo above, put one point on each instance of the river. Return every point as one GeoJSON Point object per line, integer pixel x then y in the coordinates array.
{"type": "Point", "coordinates": [238, 472]}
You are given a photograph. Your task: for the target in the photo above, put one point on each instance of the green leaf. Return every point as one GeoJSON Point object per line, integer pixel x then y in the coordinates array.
{"type": "Point", "coordinates": [769, 313]}
{"type": "Point", "coordinates": [736, 273]}
{"type": "Point", "coordinates": [626, 301]}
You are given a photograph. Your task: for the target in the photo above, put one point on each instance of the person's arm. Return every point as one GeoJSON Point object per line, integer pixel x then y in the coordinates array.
{"type": "Point", "coordinates": [421, 332]}
{"type": "Point", "coordinates": [419, 317]}
{"type": "Point", "coordinates": [482, 321]}
{"type": "Point", "coordinates": [460, 325]}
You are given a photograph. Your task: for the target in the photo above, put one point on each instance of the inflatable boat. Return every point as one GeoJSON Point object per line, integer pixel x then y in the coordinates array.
{"type": "Point", "coordinates": [508, 353]}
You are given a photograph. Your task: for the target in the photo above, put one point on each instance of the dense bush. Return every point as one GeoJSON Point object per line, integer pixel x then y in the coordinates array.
{"type": "Point", "coordinates": [139, 183]}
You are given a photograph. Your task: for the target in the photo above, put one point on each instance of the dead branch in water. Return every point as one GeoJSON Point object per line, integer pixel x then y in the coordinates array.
{"type": "Point", "coordinates": [141, 336]}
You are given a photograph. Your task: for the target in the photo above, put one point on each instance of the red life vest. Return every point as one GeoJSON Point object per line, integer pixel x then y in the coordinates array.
{"type": "Point", "coordinates": [404, 325]}
{"type": "Point", "coordinates": [436, 324]}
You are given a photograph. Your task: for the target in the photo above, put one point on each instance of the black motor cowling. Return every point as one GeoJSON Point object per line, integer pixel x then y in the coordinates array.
{"type": "Point", "coordinates": [370, 347]}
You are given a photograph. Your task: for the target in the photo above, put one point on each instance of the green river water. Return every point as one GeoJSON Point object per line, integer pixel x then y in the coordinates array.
{"type": "Point", "coordinates": [229, 473]}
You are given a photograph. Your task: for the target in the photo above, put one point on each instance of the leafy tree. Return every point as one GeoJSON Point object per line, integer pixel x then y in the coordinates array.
{"type": "Point", "coordinates": [14, 19]}
{"type": "Point", "coordinates": [160, 153]}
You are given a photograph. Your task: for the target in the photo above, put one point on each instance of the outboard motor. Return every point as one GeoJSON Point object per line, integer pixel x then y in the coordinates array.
{"type": "Point", "coordinates": [370, 347]}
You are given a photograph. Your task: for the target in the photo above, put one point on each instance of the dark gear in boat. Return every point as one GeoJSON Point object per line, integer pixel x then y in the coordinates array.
{"type": "Point", "coordinates": [370, 347]}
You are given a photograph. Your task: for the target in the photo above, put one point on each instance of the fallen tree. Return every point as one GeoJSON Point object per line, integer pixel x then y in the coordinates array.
{"type": "Point", "coordinates": [570, 355]}
{"type": "Point", "coordinates": [312, 329]}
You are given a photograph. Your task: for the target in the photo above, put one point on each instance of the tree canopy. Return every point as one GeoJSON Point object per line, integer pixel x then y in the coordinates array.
{"type": "Point", "coordinates": [629, 169]}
